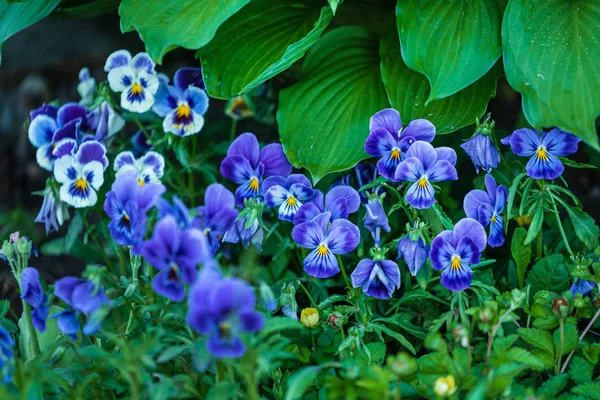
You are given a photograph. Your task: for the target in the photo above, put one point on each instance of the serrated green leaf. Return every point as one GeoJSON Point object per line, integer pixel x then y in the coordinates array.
{"type": "Point", "coordinates": [408, 91]}
{"type": "Point", "coordinates": [591, 352]}
{"type": "Point", "coordinates": [376, 351]}
{"type": "Point", "coordinates": [555, 92]}
{"type": "Point", "coordinates": [536, 224]}
{"type": "Point", "coordinates": [574, 164]}
{"type": "Point", "coordinates": [589, 390]}
{"type": "Point", "coordinates": [524, 357]}
{"type": "Point", "coordinates": [549, 273]}
{"type": "Point", "coordinates": [585, 227]}
{"type": "Point", "coordinates": [553, 386]}
{"type": "Point", "coordinates": [538, 338]}
{"type": "Point", "coordinates": [570, 339]}
{"type": "Point", "coordinates": [164, 24]}
{"type": "Point", "coordinates": [581, 370]}
{"type": "Point", "coordinates": [521, 253]}
{"type": "Point", "coordinates": [299, 383]}
{"type": "Point", "coordinates": [260, 41]}
{"type": "Point", "coordinates": [324, 119]}
{"type": "Point", "coordinates": [453, 43]}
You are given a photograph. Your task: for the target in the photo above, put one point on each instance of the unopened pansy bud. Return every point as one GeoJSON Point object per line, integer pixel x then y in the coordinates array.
{"type": "Point", "coordinates": [445, 386]}
{"type": "Point", "coordinates": [239, 108]}
{"type": "Point", "coordinates": [309, 317]}
{"type": "Point", "coordinates": [414, 252]}
{"type": "Point", "coordinates": [375, 219]}
{"type": "Point", "coordinates": [267, 297]}
{"type": "Point", "coordinates": [517, 297]}
{"type": "Point", "coordinates": [7, 251]}
{"type": "Point", "coordinates": [560, 307]}
{"type": "Point", "coordinates": [24, 246]}
{"type": "Point", "coordinates": [402, 364]}
{"type": "Point", "coordinates": [524, 220]}
{"type": "Point", "coordinates": [336, 320]}
{"type": "Point", "coordinates": [480, 148]}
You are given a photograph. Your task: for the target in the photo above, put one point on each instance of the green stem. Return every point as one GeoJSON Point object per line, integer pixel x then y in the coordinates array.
{"type": "Point", "coordinates": [343, 269]}
{"type": "Point", "coordinates": [560, 347]}
{"type": "Point", "coordinates": [539, 245]}
{"type": "Point", "coordinates": [233, 129]}
{"type": "Point", "coordinates": [401, 201]}
{"type": "Point", "coordinates": [34, 345]}
{"type": "Point", "coordinates": [312, 301]}
{"type": "Point", "coordinates": [220, 371]}
{"type": "Point", "coordinates": [560, 227]}
{"type": "Point", "coordinates": [136, 263]}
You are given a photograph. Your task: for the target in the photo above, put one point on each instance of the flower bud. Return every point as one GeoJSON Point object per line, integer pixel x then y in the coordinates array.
{"type": "Point", "coordinates": [336, 319]}
{"type": "Point", "coordinates": [486, 314]}
{"type": "Point", "coordinates": [524, 220]}
{"type": "Point", "coordinates": [461, 334]}
{"type": "Point", "coordinates": [23, 245]}
{"type": "Point", "coordinates": [414, 252]}
{"type": "Point", "coordinates": [402, 364]}
{"type": "Point", "coordinates": [7, 250]}
{"type": "Point", "coordinates": [560, 307]}
{"type": "Point", "coordinates": [445, 386]}
{"type": "Point", "coordinates": [267, 297]}
{"type": "Point", "coordinates": [309, 317]}
{"type": "Point", "coordinates": [57, 355]}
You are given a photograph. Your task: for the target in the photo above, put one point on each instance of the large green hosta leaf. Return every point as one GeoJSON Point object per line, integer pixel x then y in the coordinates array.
{"type": "Point", "coordinates": [15, 17]}
{"type": "Point", "coordinates": [324, 118]}
{"type": "Point", "coordinates": [454, 43]}
{"type": "Point", "coordinates": [551, 55]}
{"type": "Point", "coordinates": [260, 41]}
{"type": "Point", "coordinates": [166, 24]}
{"type": "Point", "coordinates": [409, 90]}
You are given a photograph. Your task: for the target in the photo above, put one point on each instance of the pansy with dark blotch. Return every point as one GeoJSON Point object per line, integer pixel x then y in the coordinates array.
{"type": "Point", "coordinates": [422, 166]}
{"type": "Point", "coordinates": [176, 252]}
{"type": "Point", "coordinates": [33, 293]}
{"type": "Point", "coordinates": [149, 168]}
{"type": "Point", "coordinates": [414, 252]}
{"type": "Point", "coordinates": [134, 77]}
{"type": "Point", "coordinates": [482, 152]}
{"type": "Point", "coordinates": [582, 286]}
{"type": "Point", "coordinates": [544, 150]}
{"type": "Point", "coordinates": [377, 278]}
{"type": "Point", "coordinates": [326, 241]}
{"type": "Point", "coordinates": [390, 141]}
{"type": "Point", "coordinates": [455, 251]}
{"type": "Point", "coordinates": [247, 165]}
{"type": "Point", "coordinates": [82, 296]}
{"type": "Point", "coordinates": [340, 202]}
{"type": "Point", "coordinates": [127, 204]}
{"type": "Point", "coordinates": [376, 219]}
{"type": "Point", "coordinates": [223, 309]}
{"type": "Point", "coordinates": [81, 175]}
{"type": "Point", "coordinates": [53, 212]}
{"type": "Point", "coordinates": [183, 104]}
{"type": "Point", "coordinates": [217, 215]}
{"type": "Point", "coordinates": [288, 194]}
{"type": "Point", "coordinates": [487, 208]}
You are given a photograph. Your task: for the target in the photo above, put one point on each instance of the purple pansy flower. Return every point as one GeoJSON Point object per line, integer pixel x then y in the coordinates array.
{"type": "Point", "coordinates": [134, 77]}
{"type": "Point", "coordinates": [217, 215]}
{"type": "Point", "coordinates": [33, 293]}
{"type": "Point", "coordinates": [176, 252]}
{"type": "Point", "coordinates": [375, 219]}
{"type": "Point", "coordinates": [340, 201]}
{"type": "Point", "coordinates": [53, 212]}
{"type": "Point", "coordinates": [246, 229]}
{"type": "Point", "coordinates": [482, 152]}
{"type": "Point", "coordinates": [127, 205]}
{"type": "Point", "coordinates": [183, 104]}
{"type": "Point", "coordinates": [289, 194]}
{"type": "Point", "coordinates": [582, 286]}
{"type": "Point", "coordinates": [105, 122]}
{"type": "Point", "coordinates": [326, 241]}
{"type": "Point", "coordinates": [177, 210]}
{"type": "Point", "coordinates": [377, 278]}
{"type": "Point", "coordinates": [414, 252]}
{"type": "Point", "coordinates": [454, 252]}
{"type": "Point", "coordinates": [246, 164]}
{"type": "Point", "coordinates": [149, 168]}
{"type": "Point", "coordinates": [141, 143]}
{"type": "Point", "coordinates": [544, 163]}
{"type": "Point", "coordinates": [487, 208]}
{"type": "Point", "coordinates": [423, 165]}
{"type": "Point", "coordinates": [222, 309]}
{"type": "Point", "coordinates": [388, 140]}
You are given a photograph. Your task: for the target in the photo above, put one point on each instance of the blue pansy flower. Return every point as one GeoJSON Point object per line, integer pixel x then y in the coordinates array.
{"type": "Point", "coordinates": [582, 286]}
{"type": "Point", "coordinates": [414, 252]}
{"type": "Point", "coordinates": [246, 229]}
{"type": "Point", "coordinates": [7, 359]}
{"type": "Point", "coordinates": [390, 141]}
{"type": "Point", "coordinates": [544, 150]}
{"type": "Point", "coordinates": [33, 293]}
{"type": "Point", "coordinates": [482, 152]}
{"type": "Point", "coordinates": [53, 212]}
{"type": "Point", "coordinates": [182, 105]}
{"type": "Point", "coordinates": [376, 219]}
{"type": "Point", "coordinates": [340, 202]}
{"type": "Point", "coordinates": [487, 208]}
{"type": "Point", "coordinates": [422, 166]}
{"type": "Point", "coordinates": [104, 122]}
{"type": "Point", "coordinates": [217, 215]}
{"type": "Point", "coordinates": [287, 193]}
{"type": "Point", "coordinates": [149, 168]}
{"type": "Point", "coordinates": [377, 278]}
{"type": "Point", "coordinates": [455, 251]}
{"type": "Point", "coordinates": [134, 77]}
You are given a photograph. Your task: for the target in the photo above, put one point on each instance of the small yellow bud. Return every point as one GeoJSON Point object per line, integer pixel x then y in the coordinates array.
{"type": "Point", "coordinates": [445, 386]}
{"type": "Point", "coordinates": [309, 317]}
{"type": "Point", "coordinates": [524, 220]}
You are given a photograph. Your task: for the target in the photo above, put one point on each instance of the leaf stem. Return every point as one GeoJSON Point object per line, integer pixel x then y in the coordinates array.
{"type": "Point", "coordinates": [343, 269]}
{"type": "Point", "coordinates": [560, 347]}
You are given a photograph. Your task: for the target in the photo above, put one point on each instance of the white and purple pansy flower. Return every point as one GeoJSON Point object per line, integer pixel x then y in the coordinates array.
{"type": "Point", "coordinates": [340, 201]}
{"type": "Point", "coordinates": [184, 104]}
{"type": "Point", "coordinates": [81, 175]}
{"type": "Point", "coordinates": [487, 208]}
{"type": "Point", "coordinates": [422, 166]}
{"type": "Point", "coordinates": [455, 251]}
{"type": "Point", "coordinates": [390, 141]}
{"type": "Point", "coordinates": [247, 164]}
{"type": "Point", "coordinates": [326, 241]}
{"type": "Point", "coordinates": [149, 168]}
{"type": "Point", "coordinates": [86, 86]}
{"type": "Point", "coordinates": [378, 279]}
{"type": "Point", "coordinates": [289, 194]}
{"type": "Point", "coordinates": [134, 77]}
{"type": "Point", "coordinates": [544, 150]}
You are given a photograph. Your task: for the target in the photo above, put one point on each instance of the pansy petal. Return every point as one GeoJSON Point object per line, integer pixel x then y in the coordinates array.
{"type": "Point", "coordinates": [484, 214]}
{"type": "Point", "coordinates": [301, 192]}
{"type": "Point", "coordinates": [342, 240]}
{"type": "Point", "coordinates": [362, 272]}
{"type": "Point", "coordinates": [251, 321]}
{"type": "Point", "coordinates": [67, 323]}
{"type": "Point", "coordinates": [468, 251]}
{"type": "Point", "coordinates": [491, 186]}
{"type": "Point", "coordinates": [41, 130]}
{"type": "Point", "coordinates": [274, 160]}
{"type": "Point", "coordinates": [471, 228]}
{"type": "Point", "coordinates": [70, 112]}
{"type": "Point", "coordinates": [216, 198]}
{"type": "Point", "coordinates": [143, 62]}
{"type": "Point", "coordinates": [222, 220]}
{"type": "Point", "coordinates": [560, 143]}
{"type": "Point", "coordinates": [275, 196]}
{"type": "Point", "coordinates": [246, 146]}
{"type": "Point", "coordinates": [524, 142]}
{"type": "Point", "coordinates": [323, 220]}
{"type": "Point", "coordinates": [230, 347]}
{"type": "Point", "coordinates": [350, 194]}
{"type": "Point", "coordinates": [236, 168]}
{"type": "Point", "coordinates": [391, 270]}
{"type": "Point", "coordinates": [92, 172]}
{"type": "Point", "coordinates": [87, 297]}
{"type": "Point", "coordinates": [549, 168]}
{"type": "Point", "coordinates": [274, 181]}
{"type": "Point", "coordinates": [446, 153]}
{"type": "Point", "coordinates": [65, 169]}
{"type": "Point", "coordinates": [388, 119]}
{"type": "Point", "coordinates": [387, 166]}
{"type": "Point", "coordinates": [420, 129]}
{"type": "Point", "coordinates": [298, 178]}
{"type": "Point", "coordinates": [166, 99]}
{"type": "Point", "coordinates": [496, 238]}
{"type": "Point", "coordinates": [380, 142]}
{"type": "Point", "coordinates": [410, 170]}
{"type": "Point", "coordinates": [309, 234]}
{"type": "Point", "coordinates": [186, 76]}
{"type": "Point", "coordinates": [167, 231]}
{"type": "Point", "coordinates": [138, 103]}
{"type": "Point", "coordinates": [31, 288]}
{"type": "Point", "coordinates": [424, 152]}
{"type": "Point", "coordinates": [44, 157]}
{"type": "Point", "coordinates": [120, 78]}
{"type": "Point", "coordinates": [92, 151]}
{"type": "Point", "coordinates": [46, 109]}
{"type": "Point", "coordinates": [123, 158]}
{"type": "Point", "coordinates": [64, 287]}
{"type": "Point", "coordinates": [458, 279]}
{"type": "Point", "coordinates": [197, 99]}
{"type": "Point", "coordinates": [148, 194]}
{"type": "Point", "coordinates": [419, 196]}
{"type": "Point", "coordinates": [117, 59]}
{"type": "Point", "coordinates": [306, 213]}
{"type": "Point", "coordinates": [69, 131]}
{"type": "Point", "coordinates": [321, 265]}
{"type": "Point", "coordinates": [501, 197]}
{"type": "Point", "coordinates": [443, 171]}
{"type": "Point", "coordinates": [338, 208]}
{"type": "Point", "coordinates": [345, 223]}
{"type": "Point", "coordinates": [441, 253]}
{"type": "Point", "coordinates": [168, 285]}
{"type": "Point", "coordinates": [473, 200]}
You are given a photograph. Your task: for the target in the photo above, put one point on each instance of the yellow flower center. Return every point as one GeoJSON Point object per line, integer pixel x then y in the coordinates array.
{"type": "Point", "coordinates": [422, 183]}
{"type": "Point", "coordinates": [136, 89]}
{"type": "Point", "coordinates": [322, 250]}
{"type": "Point", "coordinates": [81, 184]}
{"type": "Point", "coordinates": [224, 329]}
{"type": "Point", "coordinates": [494, 219]}
{"type": "Point", "coordinates": [141, 182]}
{"type": "Point", "coordinates": [542, 154]}
{"type": "Point", "coordinates": [455, 264]}
{"type": "Point", "coordinates": [125, 220]}
{"type": "Point", "coordinates": [291, 201]}
{"type": "Point", "coordinates": [206, 232]}
{"type": "Point", "coordinates": [395, 154]}
{"type": "Point", "coordinates": [254, 184]}
{"type": "Point", "coordinates": [183, 111]}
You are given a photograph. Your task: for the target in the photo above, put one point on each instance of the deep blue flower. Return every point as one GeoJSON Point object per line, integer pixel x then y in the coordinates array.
{"type": "Point", "coordinates": [287, 194]}
{"type": "Point", "coordinates": [222, 309]}
{"type": "Point", "coordinates": [53, 212]}
{"type": "Point", "coordinates": [176, 252]}
{"type": "Point", "coordinates": [390, 141]}
{"type": "Point", "coordinates": [134, 77]}
{"type": "Point", "coordinates": [487, 208]}
{"type": "Point", "coordinates": [141, 143]}
{"type": "Point", "coordinates": [149, 168]}
{"type": "Point", "coordinates": [105, 122]}
{"type": "Point", "coordinates": [377, 278]}
{"type": "Point", "coordinates": [544, 163]}
{"type": "Point", "coordinates": [340, 201]}
{"type": "Point", "coordinates": [246, 164]}
{"type": "Point", "coordinates": [582, 286]}
{"type": "Point", "coordinates": [482, 152]}
{"type": "Point", "coordinates": [414, 252]}
{"type": "Point", "coordinates": [424, 164]}
{"type": "Point", "coordinates": [454, 252]}
{"type": "Point", "coordinates": [246, 229]}
{"type": "Point", "coordinates": [326, 241]}
{"type": "Point", "coordinates": [127, 205]}
{"type": "Point", "coordinates": [217, 215]}
{"type": "Point", "coordinates": [375, 219]}
{"type": "Point", "coordinates": [33, 293]}
{"type": "Point", "coordinates": [7, 359]}
{"type": "Point", "coordinates": [182, 105]}
{"type": "Point", "coordinates": [177, 210]}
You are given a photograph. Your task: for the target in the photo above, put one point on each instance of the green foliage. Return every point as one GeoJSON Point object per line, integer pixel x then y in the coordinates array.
{"type": "Point", "coordinates": [553, 386]}
{"type": "Point", "coordinates": [549, 273]}
{"type": "Point", "coordinates": [585, 228]}
{"type": "Point", "coordinates": [538, 338]}
{"type": "Point", "coordinates": [521, 253]}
